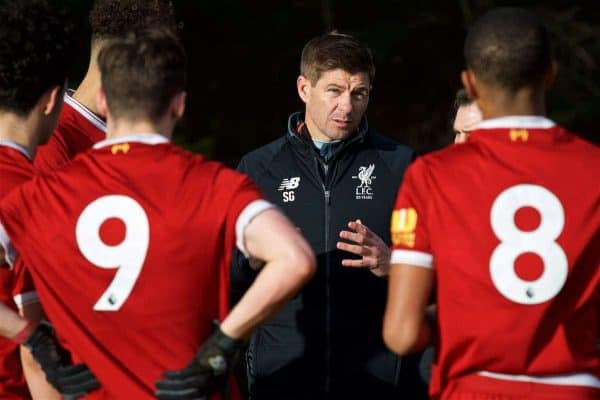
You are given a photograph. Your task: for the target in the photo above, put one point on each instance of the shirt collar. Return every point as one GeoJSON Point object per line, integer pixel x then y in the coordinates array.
{"type": "Point", "coordinates": [517, 121]}
{"type": "Point", "coordinates": [82, 110]}
{"type": "Point", "coordinates": [17, 147]}
{"type": "Point", "coordinates": [145, 138]}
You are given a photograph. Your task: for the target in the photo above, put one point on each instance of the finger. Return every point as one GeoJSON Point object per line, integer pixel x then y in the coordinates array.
{"type": "Point", "coordinates": [76, 378]}
{"type": "Point", "coordinates": [353, 237]}
{"type": "Point", "coordinates": [352, 248]}
{"type": "Point", "coordinates": [363, 263]}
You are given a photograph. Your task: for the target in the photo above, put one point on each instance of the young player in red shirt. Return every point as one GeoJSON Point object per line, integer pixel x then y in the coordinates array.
{"type": "Point", "coordinates": [507, 227]}
{"type": "Point", "coordinates": [34, 60]}
{"type": "Point", "coordinates": [80, 124]}
{"type": "Point", "coordinates": [129, 244]}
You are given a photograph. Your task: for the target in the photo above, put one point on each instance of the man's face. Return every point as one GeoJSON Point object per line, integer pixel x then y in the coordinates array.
{"type": "Point", "coordinates": [467, 117]}
{"type": "Point", "coordinates": [335, 104]}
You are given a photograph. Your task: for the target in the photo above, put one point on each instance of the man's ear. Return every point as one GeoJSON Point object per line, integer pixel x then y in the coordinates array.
{"type": "Point", "coordinates": [51, 99]}
{"type": "Point", "coordinates": [101, 104]}
{"type": "Point", "coordinates": [469, 81]}
{"type": "Point", "coordinates": [304, 86]}
{"type": "Point", "coordinates": [178, 104]}
{"type": "Point", "coordinates": [550, 76]}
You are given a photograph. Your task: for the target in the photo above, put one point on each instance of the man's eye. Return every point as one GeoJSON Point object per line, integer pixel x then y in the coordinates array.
{"type": "Point", "coordinates": [333, 90]}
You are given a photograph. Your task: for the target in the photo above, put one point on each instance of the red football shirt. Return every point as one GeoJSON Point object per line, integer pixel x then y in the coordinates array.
{"type": "Point", "coordinates": [510, 222]}
{"type": "Point", "coordinates": [15, 169]}
{"type": "Point", "coordinates": [77, 130]}
{"type": "Point", "coordinates": [129, 248]}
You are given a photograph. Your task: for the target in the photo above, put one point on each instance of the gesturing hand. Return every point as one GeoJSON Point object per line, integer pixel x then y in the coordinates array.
{"type": "Point", "coordinates": [374, 252]}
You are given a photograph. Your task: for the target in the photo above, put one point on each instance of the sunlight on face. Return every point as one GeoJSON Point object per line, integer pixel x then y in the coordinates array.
{"type": "Point", "coordinates": [336, 104]}
{"type": "Point", "coordinates": [467, 118]}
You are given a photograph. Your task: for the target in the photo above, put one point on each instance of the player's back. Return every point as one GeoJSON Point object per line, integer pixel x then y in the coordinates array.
{"type": "Point", "coordinates": [142, 233]}
{"type": "Point", "coordinates": [514, 223]}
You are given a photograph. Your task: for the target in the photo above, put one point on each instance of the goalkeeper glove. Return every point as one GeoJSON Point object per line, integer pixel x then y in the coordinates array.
{"type": "Point", "coordinates": [206, 374]}
{"type": "Point", "coordinates": [72, 381]}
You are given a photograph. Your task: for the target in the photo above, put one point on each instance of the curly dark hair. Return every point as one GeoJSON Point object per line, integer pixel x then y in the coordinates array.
{"type": "Point", "coordinates": [141, 73]}
{"type": "Point", "coordinates": [35, 51]}
{"type": "Point", "coordinates": [111, 19]}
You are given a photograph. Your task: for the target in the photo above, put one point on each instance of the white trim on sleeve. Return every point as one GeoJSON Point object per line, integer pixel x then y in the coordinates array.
{"type": "Point", "coordinates": [247, 215]}
{"type": "Point", "coordinates": [26, 298]}
{"type": "Point", "coordinates": [412, 257]}
{"type": "Point", "coordinates": [10, 254]}
{"type": "Point", "coordinates": [574, 379]}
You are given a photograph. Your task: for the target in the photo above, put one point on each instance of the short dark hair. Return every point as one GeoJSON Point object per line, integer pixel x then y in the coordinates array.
{"type": "Point", "coordinates": [335, 50]}
{"type": "Point", "coordinates": [111, 19]}
{"type": "Point", "coordinates": [141, 73]}
{"type": "Point", "coordinates": [508, 47]}
{"type": "Point", "coordinates": [34, 52]}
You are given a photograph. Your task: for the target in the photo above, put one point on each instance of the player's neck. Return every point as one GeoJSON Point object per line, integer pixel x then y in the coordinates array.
{"type": "Point", "coordinates": [526, 101]}
{"type": "Point", "coordinates": [90, 85]}
{"type": "Point", "coordinates": [122, 127]}
{"type": "Point", "coordinates": [88, 90]}
{"type": "Point", "coordinates": [19, 130]}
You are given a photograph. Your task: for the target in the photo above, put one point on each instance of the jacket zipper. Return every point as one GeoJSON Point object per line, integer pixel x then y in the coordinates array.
{"type": "Point", "coordinates": [327, 194]}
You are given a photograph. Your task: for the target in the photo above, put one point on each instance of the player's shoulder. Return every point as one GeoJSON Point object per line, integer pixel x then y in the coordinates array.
{"type": "Point", "coordinates": [454, 155]}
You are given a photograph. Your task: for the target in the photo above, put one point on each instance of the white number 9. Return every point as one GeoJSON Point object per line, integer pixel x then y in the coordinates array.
{"type": "Point", "coordinates": [127, 257]}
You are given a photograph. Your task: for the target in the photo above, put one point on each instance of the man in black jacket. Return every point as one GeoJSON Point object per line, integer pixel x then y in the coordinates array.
{"type": "Point", "coordinates": [336, 179]}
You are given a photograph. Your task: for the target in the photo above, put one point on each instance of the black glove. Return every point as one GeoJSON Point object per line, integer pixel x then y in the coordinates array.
{"type": "Point", "coordinates": [206, 374]}
{"type": "Point", "coordinates": [72, 381]}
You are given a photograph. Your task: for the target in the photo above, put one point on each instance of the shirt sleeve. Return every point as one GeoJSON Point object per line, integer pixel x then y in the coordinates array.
{"type": "Point", "coordinates": [410, 237]}
{"type": "Point", "coordinates": [15, 212]}
{"type": "Point", "coordinates": [23, 291]}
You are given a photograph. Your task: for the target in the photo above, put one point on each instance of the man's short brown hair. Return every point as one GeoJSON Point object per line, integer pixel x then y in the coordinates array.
{"type": "Point", "coordinates": [335, 51]}
{"type": "Point", "coordinates": [142, 73]}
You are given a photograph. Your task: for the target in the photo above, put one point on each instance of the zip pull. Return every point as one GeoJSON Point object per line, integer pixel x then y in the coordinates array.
{"type": "Point", "coordinates": [327, 197]}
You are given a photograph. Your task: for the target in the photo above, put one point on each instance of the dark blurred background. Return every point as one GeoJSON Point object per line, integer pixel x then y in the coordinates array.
{"type": "Point", "coordinates": [244, 61]}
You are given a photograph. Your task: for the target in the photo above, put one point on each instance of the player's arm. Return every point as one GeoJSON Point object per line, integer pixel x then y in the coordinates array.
{"type": "Point", "coordinates": [40, 342]}
{"type": "Point", "coordinates": [288, 264]}
{"type": "Point", "coordinates": [406, 327]}
{"type": "Point", "coordinates": [39, 387]}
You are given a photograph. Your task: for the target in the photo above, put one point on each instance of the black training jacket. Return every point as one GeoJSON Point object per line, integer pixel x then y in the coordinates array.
{"type": "Point", "coordinates": [327, 340]}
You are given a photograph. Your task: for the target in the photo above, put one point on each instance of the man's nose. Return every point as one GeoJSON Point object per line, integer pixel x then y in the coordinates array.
{"type": "Point", "coordinates": [345, 102]}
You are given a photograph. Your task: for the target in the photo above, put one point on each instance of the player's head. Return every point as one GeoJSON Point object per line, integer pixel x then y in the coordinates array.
{"type": "Point", "coordinates": [336, 73]}
{"type": "Point", "coordinates": [111, 19]}
{"type": "Point", "coordinates": [143, 78]}
{"type": "Point", "coordinates": [507, 51]}
{"type": "Point", "coordinates": [34, 59]}
{"type": "Point", "coordinates": [34, 53]}
{"type": "Point", "coordinates": [465, 116]}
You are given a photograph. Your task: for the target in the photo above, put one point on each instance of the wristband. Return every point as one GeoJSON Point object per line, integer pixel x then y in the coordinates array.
{"type": "Point", "coordinates": [24, 334]}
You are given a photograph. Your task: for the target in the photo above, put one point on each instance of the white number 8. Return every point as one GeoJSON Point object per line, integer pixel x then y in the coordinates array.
{"type": "Point", "coordinates": [541, 241]}
{"type": "Point", "coordinates": [127, 257]}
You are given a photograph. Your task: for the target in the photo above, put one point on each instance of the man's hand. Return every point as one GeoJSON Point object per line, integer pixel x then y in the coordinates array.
{"type": "Point", "coordinates": [72, 381]}
{"type": "Point", "coordinates": [206, 374]}
{"type": "Point", "coordinates": [374, 252]}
